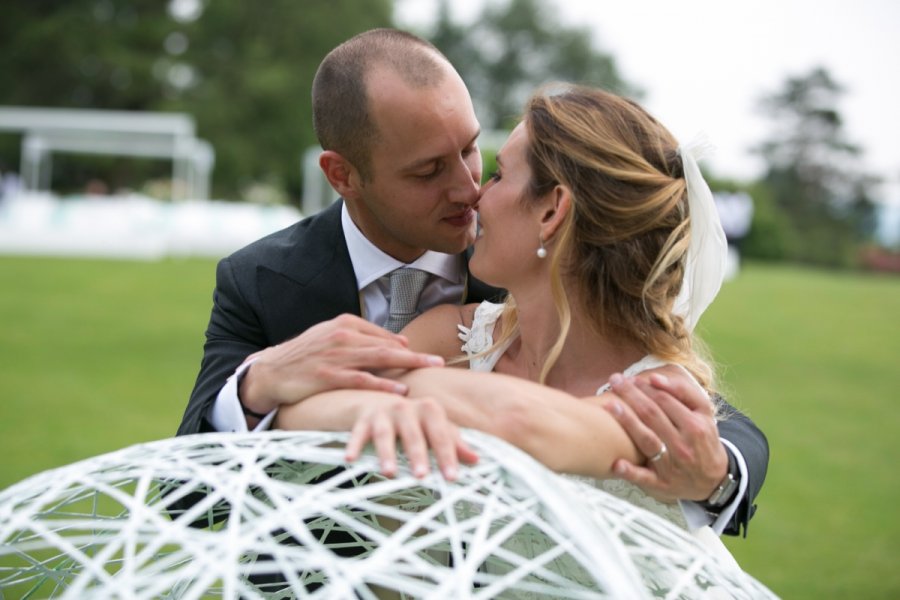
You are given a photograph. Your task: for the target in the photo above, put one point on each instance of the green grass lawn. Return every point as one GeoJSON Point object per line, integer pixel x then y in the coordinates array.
{"type": "Point", "coordinates": [814, 357]}
{"type": "Point", "coordinates": [95, 355]}
{"type": "Point", "coordinates": [98, 355]}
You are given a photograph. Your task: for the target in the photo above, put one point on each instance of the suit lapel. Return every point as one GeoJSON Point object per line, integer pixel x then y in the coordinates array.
{"type": "Point", "coordinates": [308, 278]}
{"type": "Point", "coordinates": [311, 280]}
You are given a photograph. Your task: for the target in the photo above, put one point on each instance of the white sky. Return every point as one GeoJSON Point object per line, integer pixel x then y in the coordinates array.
{"type": "Point", "coordinates": [705, 63]}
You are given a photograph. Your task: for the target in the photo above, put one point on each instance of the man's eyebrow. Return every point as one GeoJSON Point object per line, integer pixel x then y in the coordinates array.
{"type": "Point", "coordinates": [413, 166]}
{"type": "Point", "coordinates": [418, 164]}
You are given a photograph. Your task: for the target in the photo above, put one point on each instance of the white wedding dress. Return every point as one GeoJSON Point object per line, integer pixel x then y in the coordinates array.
{"type": "Point", "coordinates": [480, 337]}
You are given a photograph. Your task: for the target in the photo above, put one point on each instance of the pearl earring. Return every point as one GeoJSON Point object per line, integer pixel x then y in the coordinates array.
{"type": "Point", "coordinates": [542, 252]}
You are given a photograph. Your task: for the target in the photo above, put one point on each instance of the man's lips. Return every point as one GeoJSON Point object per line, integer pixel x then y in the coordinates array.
{"type": "Point", "coordinates": [463, 219]}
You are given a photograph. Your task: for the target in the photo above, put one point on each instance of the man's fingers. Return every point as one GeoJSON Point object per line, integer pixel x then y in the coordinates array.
{"type": "Point", "coordinates": [376, 360]}
{"type": "Point", "coordinates": [347, 332]}
{"type": "Point", "coordinates": [348, 322]}
{"type": "Point", "coordinates": [634, 474]}
{"type": "Point", "coordinates": [685, 389]}
{"type": "Point", "coordinates": [677, 412]}
{"type": "Point", "coordinates": [645, 423]}
{"type": "Point", "coordinates": [646, 441]}
{"type": "Point", "coordinates": [380, 358]}
{"type": "Point", "coordinates": [646, 479]}
{"type": "Point", "coordinates": [354, 371]}
{"type": "Point", "coordinates": [361, 380]}
{"type": "Point", "coordinates": [696, 427]}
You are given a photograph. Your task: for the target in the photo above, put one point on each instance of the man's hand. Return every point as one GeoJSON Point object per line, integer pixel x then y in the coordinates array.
{"type": "Point", "coordinates": [340, 353]}
{"type": "Point", "coordinates": [670, 409]}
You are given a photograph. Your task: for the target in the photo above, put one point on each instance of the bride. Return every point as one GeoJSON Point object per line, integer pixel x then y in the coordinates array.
{"type": "Point", "coordinates": [606, 237]}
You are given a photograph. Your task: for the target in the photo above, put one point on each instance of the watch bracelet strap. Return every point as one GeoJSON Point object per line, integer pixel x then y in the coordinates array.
{"type": "Point", "coordinates": [726, 489]}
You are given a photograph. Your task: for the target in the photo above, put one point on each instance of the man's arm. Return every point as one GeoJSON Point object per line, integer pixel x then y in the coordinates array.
{"type": "Point", "coordinates": [752, 444]}
{"type": "Point", "coordinates": [341, 352]}
{"type": "Point", "coordinates": [233, 333]}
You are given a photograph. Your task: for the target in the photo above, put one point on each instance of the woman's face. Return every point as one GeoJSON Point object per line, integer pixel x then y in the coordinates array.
{"type": "Point", "coordinates": [508, 228]}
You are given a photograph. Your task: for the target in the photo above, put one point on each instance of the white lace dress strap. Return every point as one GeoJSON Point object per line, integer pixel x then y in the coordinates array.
{"type": "Point", "coordinates": [480, 337]}
{"type": "Point", "coordinates": [645, 364]}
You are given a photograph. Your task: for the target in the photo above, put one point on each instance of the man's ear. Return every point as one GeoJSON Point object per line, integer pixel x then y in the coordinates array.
{"type": "Point", "coordinates": [556, 206]}
{"type": "Point", "coordinates": [341, 174]}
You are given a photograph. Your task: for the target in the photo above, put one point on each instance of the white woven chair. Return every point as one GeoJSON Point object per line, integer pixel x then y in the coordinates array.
{"type": "Point", "coordinates": [269, 507]}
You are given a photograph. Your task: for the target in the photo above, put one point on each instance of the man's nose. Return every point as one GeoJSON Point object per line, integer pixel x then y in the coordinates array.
{"type": "Point", "coordinates": [466, 188]}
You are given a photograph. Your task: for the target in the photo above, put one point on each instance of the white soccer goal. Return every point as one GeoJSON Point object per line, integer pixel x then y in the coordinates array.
{"type": "Point", "coordinates": [281, 515]}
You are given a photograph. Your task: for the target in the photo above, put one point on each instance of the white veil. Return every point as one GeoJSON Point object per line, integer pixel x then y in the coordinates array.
{"type": "Point", "coordinates": [705, 268]}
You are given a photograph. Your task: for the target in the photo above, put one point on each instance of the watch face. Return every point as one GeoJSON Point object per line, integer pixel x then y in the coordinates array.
{"type": "Point", "coordinates": [728, 486]}
{"type": "Point", "coordinates": [724, 492]}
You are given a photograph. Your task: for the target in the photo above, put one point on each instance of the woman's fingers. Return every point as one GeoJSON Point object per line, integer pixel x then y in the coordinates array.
{"type": "Point", "coordinates": [420, 425]}
{"type": "Point", "coordinates": [384, 438]}
{"type": "Point", "coordinates": [359, 437]}
{"type": "Point", "coordinates": [442, 437]}
{"type": "Point", "coordinates": [464, 451]}
{"type": "Point", "coordinates": [412, 436]}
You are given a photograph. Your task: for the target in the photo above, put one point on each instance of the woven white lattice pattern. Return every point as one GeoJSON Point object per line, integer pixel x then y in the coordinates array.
{"type": "Point", "coordinates": [281, 515]}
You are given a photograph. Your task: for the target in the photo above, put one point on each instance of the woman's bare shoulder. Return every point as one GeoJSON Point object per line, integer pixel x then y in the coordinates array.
{"type": "Point", "coordinates": [436, 331]}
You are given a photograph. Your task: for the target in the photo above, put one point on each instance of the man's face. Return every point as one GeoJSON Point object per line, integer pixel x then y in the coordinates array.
{"type": "Point", "coordinates": [425, 167]}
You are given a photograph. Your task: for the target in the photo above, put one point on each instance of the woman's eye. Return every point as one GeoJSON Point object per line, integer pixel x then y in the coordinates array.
{"type": "Point", "coordinates": [495, 176]}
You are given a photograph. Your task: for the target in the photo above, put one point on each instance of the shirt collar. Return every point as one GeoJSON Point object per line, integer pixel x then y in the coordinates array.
{"type": "Point", "coordinates": [370, 263]}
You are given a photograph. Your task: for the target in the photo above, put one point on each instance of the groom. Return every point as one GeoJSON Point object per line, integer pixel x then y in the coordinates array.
{"type": "Point", "coordinates": [300, 311]}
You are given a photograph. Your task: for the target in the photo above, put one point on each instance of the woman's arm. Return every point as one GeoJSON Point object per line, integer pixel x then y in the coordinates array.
{"type": "Point", "coordinates": [383, 419]}
{"type": "Point", "coordinates": [567, 434]}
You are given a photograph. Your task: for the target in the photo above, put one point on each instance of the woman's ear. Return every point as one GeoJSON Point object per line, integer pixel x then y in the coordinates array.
{"type": "Point", "coordinates": [557, 206]}
{"type": "Point", "coordinates": [341, 174]}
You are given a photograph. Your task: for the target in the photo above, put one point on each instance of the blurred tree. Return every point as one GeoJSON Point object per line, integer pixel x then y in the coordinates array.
{"type": "Point", "coordinates": [82, 54]}
{"type": "Point", "coordinates": [515, 46]}
{"type": "Point", "coordinates": [818, 202]}
{"type": "Point", "coordinates": [243, 70]}
{"type": "Point", "coordinates": [252, 66]}
{"type": "Point", "coordinates": [771, 236]}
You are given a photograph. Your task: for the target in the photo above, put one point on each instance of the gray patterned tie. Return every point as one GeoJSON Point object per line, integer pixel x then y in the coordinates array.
{"type": "Point", "coordinates": [406, 286]}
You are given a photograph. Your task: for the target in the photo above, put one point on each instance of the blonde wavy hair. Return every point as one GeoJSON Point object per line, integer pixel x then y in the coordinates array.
{"type": "Point", "coordinates": [621, 250]}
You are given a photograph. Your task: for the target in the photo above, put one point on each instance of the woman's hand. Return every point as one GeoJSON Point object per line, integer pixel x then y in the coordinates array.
{"type": "Point", "coordinates": [420, 424]}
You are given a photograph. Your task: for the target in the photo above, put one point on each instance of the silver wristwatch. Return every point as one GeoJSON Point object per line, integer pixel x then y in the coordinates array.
{"type": "Point", "coordinates": [726, 488]}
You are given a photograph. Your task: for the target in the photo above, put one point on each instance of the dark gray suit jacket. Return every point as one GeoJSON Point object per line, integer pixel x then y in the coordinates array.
{"type": "Point", "coordinates": [283, 284]}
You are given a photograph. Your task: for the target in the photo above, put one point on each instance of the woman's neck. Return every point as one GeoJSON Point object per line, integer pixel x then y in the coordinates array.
{"type": "Point", "coordinates": [586, 360]}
